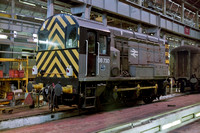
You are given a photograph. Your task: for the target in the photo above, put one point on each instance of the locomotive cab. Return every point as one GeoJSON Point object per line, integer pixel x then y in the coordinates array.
{"type": "Point", "coordinates": [94, 51]}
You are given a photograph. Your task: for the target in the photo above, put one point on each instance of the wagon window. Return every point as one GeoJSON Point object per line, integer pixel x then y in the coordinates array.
{"type": "Point", "coordinates": [103, 44]}
{"type": "Point", "coordinates": [72, 39]}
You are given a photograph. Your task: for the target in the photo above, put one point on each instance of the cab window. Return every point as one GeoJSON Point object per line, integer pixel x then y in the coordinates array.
{"type": "Point", "coordinates": [91, 42]}
{"type": "Point", "coordinates": [43, 40]}
{"type": "Point", "coordinates": [72, 38]}
{"type": "Point", "coordinates": [103, 44]}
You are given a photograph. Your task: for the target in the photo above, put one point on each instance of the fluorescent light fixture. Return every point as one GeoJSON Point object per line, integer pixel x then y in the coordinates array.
{"type": "Point", "coordinates": [40, 19]}
{"type": "Point", "coordinates": [15, 34]}
{"type": "Point", "coordinates": [197, 114]}
{"type": "Point", "coordinates": [34, 35]}
{"type": "Point", "coordinates": [44, 7]}
{"type": "Point", "coordinates": [3, 36]}
{"type": "Point", "coordinates": [21, 15]}
{"type": "Point", "coordinates": [174, 123]}
{"type": "Point", "coordinates": [2, 11]}
{"type": "Point", "coordinates": [63, 12]}
{"type": "Point", "coordinates": [35, 40]}
{"type": "Point", "coordinates": [27, 3]}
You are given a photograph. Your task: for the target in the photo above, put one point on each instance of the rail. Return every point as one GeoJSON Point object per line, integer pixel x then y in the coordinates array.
{"type": "Point", "coordinates": [160, 123]}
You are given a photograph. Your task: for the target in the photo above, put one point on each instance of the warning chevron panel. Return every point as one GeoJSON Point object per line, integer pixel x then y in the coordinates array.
{"type": "Point", "coordinates": [54, 63]}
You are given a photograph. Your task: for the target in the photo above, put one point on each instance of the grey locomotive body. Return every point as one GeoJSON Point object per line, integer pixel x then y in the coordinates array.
{"type": "Point", "coordinates": [100, 62]}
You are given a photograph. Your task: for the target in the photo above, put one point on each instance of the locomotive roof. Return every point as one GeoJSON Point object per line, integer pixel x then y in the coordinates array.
{"type": "Point", "coordinates": [77, 20]}
{"type": "Point", "coordinates": [193, 49]}
{"type": "Point", "coordinates": [91, 24]}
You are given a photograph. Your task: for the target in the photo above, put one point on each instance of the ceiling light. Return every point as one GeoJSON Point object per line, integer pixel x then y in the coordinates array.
{"type": "Point", "coordinates": [40, 19]}
{"type": "Point", "coordinates": [27, 3]}
{"type": "Point", "coordinates": [3, 36]}
{"type": "Point", "coordinates": [44, 7]}
{"type": "Point", "coordinates": [15, 34]}
{"type": "Point", "coordinates": [34, 35]}
{"type": "Point", "coordinates": [2, 11]}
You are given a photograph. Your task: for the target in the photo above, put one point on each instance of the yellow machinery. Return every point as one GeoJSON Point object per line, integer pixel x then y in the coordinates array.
{"type": "Point", "coordinates": [6, 79]}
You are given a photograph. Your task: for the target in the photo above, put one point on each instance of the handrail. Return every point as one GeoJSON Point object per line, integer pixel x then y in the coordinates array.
{"type": "Point", "coordinates": [86, 58]}
{"type": "Point", "coordinates": [98, 59]}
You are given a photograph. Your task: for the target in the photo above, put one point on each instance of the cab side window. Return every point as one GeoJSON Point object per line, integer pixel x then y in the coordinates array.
{"type": "Point", "coordinates": [43, 40]}
{"type": "Point", "coordinates": [103, 44]}
{"type": "Point", "coordinates": [71, 41]}
{"type": "Point", "coordinates": [91, 42]}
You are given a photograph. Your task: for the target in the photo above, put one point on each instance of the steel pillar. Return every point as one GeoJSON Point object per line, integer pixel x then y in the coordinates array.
{"type": "Point", "coordinates": [140, 2]}
{"type": "Point", "coordinates": [50, 8]}
{"type": "Point", "coordinates": [182, 42]}
{"type": "Point", "coordinates": [157, 33]}
{"type": "Point", "coordinates": [139, 28]}
{"type": "Point", "coordinates": [84, 10]}
{"type": "Point", "coordinates": [182, 11]}
{"type": "Point", "coordinates": [164, 7]}
{"type": "Point", "coordinates": [104, 19]}
{"type": "Point", "coordinates": [13, 9]}
{"type": "Point", "coordinates": [197, 19]}
{"type": "Point", "coordinates": [87, 12]}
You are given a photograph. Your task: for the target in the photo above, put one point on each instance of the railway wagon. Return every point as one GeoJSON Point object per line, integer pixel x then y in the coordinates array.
{"type": "Point", "coordinates": [85, 63]}
{"type": "Point", "coordinates": [186, 66]}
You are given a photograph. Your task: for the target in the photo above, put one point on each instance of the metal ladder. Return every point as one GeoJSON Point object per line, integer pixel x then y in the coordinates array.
{"type": "Point", "coordinates": [90, 97]}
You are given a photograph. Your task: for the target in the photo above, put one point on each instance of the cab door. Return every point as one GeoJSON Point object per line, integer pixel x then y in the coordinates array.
{"type": "Point", "coordinates": [91, 52]}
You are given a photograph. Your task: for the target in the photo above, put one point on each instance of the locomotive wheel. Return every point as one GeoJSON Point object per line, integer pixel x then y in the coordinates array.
{"type": "Point", "coordinates": [148, 100]}
{"type": "Point", "coordinates": [129, 102]}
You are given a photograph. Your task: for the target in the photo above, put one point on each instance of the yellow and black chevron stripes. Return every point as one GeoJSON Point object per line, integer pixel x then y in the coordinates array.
{"type": "Point", "coordinates": [54, 63]}
{"type": "Point", "coordinates": [56, 25]}
{"type": "Point", "coordinates": [44, 25]}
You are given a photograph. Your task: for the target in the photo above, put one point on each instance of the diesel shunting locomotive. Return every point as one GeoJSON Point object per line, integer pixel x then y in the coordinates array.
{"type": "Point", "coordinates": [85, 63]}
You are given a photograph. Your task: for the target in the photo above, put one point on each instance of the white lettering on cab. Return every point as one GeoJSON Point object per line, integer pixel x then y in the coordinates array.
{"type": "Point", "coordinates": [104, 60]}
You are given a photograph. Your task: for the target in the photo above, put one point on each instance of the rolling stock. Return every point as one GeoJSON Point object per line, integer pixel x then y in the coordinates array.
{"type": "Point", "coordinates": [85, 63]}
{"type": "Point", "coordinates": [185, 66]}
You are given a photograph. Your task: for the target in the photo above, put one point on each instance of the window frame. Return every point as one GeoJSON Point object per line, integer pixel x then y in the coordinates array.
{"type": "Point", "coordinates": [67, 34]}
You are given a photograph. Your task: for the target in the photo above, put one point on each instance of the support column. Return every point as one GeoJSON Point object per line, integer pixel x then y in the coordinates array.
{"type": "Point", "coordinates": [197, 19]}
{"type": "Point", "coordinates": [164, 36]}
{"type": "Point", "coordinates": [182, 42]}
{"type": "Point", "coordinates": [87, 12]}
{"type": "Point", "coordinates": [140, 2]}
{"type": "Point", "coordinates": [182, 12]}
{"type": "Point", "coordinates": [83, 10]}
{"type": "Point", "coordinates": [164, 7]}
{"type": "Point", "coordinates": [12, 32]}
{"type": "Point", "coordinates": [50, 8]}
{"type": "Point", "coordinates": [13, 9]}
{"type": "Point", "coordinates": [104, 19]}
{"type": "Point", "coordinates": [139, 28]}
{"type": "Point", "coordinates": [157, 33]}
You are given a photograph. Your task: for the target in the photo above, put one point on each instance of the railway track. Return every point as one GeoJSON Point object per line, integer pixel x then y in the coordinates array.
{"type": "Point", "coordinates": [43, 115]}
